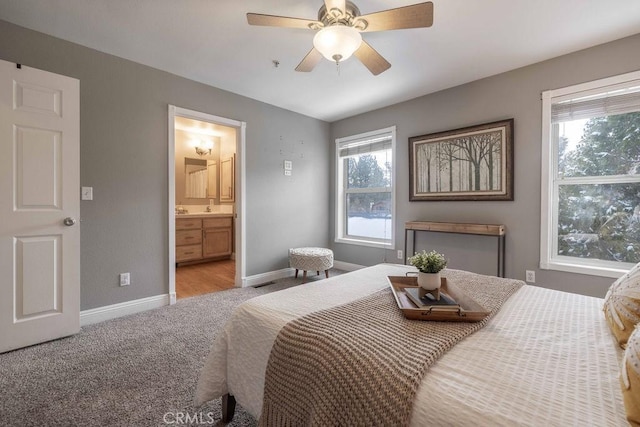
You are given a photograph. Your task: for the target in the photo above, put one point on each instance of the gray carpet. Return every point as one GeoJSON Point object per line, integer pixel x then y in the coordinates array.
{"type": "Point", "coordinates": [139, 370]}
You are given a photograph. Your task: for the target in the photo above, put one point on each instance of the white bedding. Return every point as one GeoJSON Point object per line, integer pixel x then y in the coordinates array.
{"type": "Point", "coordinates": [547, 358]}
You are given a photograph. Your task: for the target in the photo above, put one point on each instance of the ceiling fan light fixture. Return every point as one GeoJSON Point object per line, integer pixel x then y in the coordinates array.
{"type": "Point", "coordinates": [337, 42]}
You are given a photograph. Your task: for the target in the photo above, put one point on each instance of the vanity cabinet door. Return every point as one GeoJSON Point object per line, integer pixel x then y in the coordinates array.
{"type": "Point", "coordinates": [217, 240]}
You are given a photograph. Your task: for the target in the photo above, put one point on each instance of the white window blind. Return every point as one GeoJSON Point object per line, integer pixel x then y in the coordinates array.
{"type": "Point", "coordinates": [584, 106]}
{"type": "Point", "coordinates": [363, 146]}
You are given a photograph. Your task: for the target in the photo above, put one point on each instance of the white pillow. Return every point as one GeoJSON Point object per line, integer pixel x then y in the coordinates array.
{"type": "Point", "coordinates": [622, 305]}
{"type": "Point", "coordinates": [630, 378]}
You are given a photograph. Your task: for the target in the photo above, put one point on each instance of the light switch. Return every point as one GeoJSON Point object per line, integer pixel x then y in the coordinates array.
{"type": "Point", "coordinates": [288, 165]}
{"type": "Point", "coordinates": [87, 193]}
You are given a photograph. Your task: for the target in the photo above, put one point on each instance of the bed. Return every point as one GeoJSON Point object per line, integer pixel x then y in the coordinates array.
{"type": "Point", "coordinates": [545, 358]}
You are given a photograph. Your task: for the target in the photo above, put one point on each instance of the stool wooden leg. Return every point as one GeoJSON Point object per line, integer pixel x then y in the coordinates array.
{"type": "Point", "coordinates": [296, 273]}
{"type": "Point", "coordinates": [304, 276]}
{"type": "Point", "coordinates": [326, 273]}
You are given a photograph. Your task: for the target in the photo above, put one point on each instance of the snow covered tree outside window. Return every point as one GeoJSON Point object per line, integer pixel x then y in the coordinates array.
{"type": "Point", "coordinates": [592, 219]}
{"type": "Point", "coordinates": [365, 195]}
{"type": "Point", "coordinates": [600, 218]}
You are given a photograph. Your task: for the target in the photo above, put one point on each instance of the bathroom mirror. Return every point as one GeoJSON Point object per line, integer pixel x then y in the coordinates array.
{"type": "Point", "coordinates": [196, 178]}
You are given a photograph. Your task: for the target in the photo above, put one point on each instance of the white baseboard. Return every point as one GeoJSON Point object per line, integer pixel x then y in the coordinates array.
{"type": "Point", "coordinates": [346, 266]}
{"type": "Point", "coordinates": [262, 278]}
{"type": "Point", "coordinates": [100, 314]}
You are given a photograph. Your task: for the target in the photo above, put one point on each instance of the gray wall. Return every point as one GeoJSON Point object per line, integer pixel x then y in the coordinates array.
{"type": "Point", "coordinates": [513, 94]}
{"type": "Point", "coordinates": [124, 157]}
{"type": "Point", "coordinates": [123, 153]}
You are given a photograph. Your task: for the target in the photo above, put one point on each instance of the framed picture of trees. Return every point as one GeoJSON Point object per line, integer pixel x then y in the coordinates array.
{"type": "Point", "coordinates": [471, 163]}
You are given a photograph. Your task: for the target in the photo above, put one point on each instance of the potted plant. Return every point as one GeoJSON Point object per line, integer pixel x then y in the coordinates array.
{"type": "Point", "coordinates": [429, 265]}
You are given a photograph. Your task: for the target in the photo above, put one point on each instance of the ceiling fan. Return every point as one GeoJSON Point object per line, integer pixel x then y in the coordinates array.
{"type": "Point", "coordinates": [339, 26]}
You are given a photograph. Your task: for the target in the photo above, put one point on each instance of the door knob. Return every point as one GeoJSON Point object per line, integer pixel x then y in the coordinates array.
{"type": "Point", "coordinates": [68, 221]}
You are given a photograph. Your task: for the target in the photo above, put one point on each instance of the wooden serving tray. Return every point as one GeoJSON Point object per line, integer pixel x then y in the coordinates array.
{"type": "Point", "coordinates": [469, 310]}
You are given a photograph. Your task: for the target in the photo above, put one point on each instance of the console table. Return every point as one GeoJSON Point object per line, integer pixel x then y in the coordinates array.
{"type": "Point", "coordinates": [490, 230]}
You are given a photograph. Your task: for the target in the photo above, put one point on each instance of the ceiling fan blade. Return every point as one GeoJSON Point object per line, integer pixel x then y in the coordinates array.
{"type": "Point", "coordinates": [336, 4]}
{"type": "Point", "coordinates": [371, 59]}
{"type": "Point", "coordinates": [310, 61]}
{"type": "Point", "coordinates": [280, 21]}
{"type": "Point", "coordinates": [414, 16]}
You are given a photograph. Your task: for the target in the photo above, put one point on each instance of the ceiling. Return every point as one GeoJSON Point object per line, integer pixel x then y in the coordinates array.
{"type": "Point", "coordinates": [205, 129]}
{"type": "Point", "coordinates": [210, 41]}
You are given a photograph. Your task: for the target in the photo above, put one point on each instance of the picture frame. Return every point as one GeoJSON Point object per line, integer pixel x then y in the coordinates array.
{"type": "Point", "coordinates": [471, 163]}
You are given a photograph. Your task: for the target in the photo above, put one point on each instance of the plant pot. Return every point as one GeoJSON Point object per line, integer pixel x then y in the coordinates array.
{"type": "Point", "coordinates": [429, 281]}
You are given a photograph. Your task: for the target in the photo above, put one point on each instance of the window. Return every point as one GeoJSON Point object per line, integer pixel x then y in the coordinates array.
{"type": "Point", "coordinates": [365, 195]}
{"type": "Point", "coordinates": [591, 177]}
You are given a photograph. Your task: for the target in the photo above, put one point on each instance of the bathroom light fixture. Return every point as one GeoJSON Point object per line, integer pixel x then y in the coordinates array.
{"type": "Point", "coordinates": [203, 147]}
{"type": "Point", "coordinates": [337, 42]}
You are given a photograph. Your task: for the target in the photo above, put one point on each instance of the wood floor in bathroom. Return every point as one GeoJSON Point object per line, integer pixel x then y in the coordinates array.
{"type": "Point", "coordinates": [198, 279]}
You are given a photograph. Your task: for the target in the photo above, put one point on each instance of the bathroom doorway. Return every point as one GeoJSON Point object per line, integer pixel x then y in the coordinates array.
{"type": "Point", "coordinates": [206, 209]}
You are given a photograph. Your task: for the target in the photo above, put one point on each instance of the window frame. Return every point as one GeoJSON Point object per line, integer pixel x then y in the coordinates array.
{"type": "Point", "coordinates": [550, 185]}
{"type": "Point", "coordinates": [341, 192]}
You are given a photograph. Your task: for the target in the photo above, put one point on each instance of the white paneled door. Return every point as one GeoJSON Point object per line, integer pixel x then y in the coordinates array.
{"type": "Point", "coordinates": [39, 206]}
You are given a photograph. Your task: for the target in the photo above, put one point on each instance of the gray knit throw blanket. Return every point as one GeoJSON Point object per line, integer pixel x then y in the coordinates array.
{"type": "Point", "coordinates": [360, 364]}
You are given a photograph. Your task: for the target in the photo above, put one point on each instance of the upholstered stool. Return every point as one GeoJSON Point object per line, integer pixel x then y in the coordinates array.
{"type": "Point", "coordinates": [310, 259]}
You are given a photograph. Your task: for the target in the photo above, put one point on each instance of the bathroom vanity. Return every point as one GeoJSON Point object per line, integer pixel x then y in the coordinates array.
{"type": "Point", "coordinates": [203, 237]}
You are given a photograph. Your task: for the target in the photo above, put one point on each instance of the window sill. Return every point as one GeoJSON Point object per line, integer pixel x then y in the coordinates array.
{"type": "Point", "coordinates": [592, 268]}
{"type": "Point", "coordinates": [362, 242]}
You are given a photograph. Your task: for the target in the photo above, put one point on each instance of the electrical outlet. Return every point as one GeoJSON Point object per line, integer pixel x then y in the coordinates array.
{"type": "Point", "coordinates": [399, 254]}
{"type": "Point", "coordinates": [125, 279]}
{"type": "Point", "coordinates": [530, 276]}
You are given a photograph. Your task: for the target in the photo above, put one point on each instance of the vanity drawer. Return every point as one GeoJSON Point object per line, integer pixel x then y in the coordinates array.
{"type": "Point", "coordinates": [188, 223]}
{"type": "Point", "coordinates": [188, 253]}
{"type": "Point", "coordinates": [188, 237]}
{"type": "Point", "coordinates": [217, 222]}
